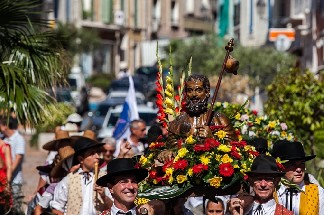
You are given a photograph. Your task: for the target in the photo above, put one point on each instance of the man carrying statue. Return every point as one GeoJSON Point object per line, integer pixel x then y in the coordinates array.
{"type": "Point", "coordinates": [193, 121]}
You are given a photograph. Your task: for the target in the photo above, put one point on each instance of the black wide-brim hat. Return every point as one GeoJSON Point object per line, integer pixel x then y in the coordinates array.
{"type": "Point", "coordinates": [260, 144]}
{"type": "Point", "coordinates": [286, 150]}
{"type": "Point", "coordinates": [121, 166]}
{"type": "Point", "coordinates": [84, 143]}
{"type": "Point", "coordinates": [265, 164]}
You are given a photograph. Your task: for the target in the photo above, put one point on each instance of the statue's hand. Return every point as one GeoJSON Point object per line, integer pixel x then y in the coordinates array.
{"type": "Point", "coordinates": [165, 156]}
{"type": "Point", "coordinates": [204, 132]}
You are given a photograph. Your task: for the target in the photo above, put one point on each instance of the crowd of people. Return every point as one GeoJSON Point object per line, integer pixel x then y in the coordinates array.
{"type": "Point", "coordinates": [83, 176]}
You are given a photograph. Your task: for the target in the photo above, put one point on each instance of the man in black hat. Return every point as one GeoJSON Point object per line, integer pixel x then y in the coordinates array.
{"type": "Point", "coordinates": [312, 199]}
{"type": "Point", "coordinates": [264, 177]}
{"type": "Point", "coordinates": [122, 180]}
{"type": "Point", "coordinates": [77, 194]}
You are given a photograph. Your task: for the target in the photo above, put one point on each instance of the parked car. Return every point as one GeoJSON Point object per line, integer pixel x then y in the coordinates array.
{"type": "Point", "coordinates": [148, 114]}
{"type": "Point", "coordinates": [113, 99]}
{"type": "Point", "coordinates": [123, 84]}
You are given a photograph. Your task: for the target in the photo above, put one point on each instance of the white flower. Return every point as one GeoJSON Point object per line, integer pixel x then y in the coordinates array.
{"type": "Point", "coordinates": [283, 126]}
{"type": "Point", "coordinates": [244, 117]}
{"type": "Point", "coordinates": [275, 133]}
{"type": "Point", "coordinates": [252, 134]}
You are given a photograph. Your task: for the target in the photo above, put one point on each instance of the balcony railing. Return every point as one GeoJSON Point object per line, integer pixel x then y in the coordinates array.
{"type": "Point", "coordinates": [198, 24]}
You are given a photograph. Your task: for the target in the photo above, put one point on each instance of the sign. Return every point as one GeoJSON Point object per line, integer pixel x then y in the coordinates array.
{"type": "Point", "coordinates": [282, 43]}
{"type": "Point", "coordinates": [289, 33]}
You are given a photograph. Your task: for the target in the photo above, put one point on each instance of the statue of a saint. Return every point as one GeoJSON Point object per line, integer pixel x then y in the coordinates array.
{"type": "Point", "coordinates": [193, 120]}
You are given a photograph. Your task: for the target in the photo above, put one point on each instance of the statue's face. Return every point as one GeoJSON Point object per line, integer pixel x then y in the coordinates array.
{"type": "Point", "coordinates": [196, 91]}
{"type": "Point", "coordinates": [197, 98]}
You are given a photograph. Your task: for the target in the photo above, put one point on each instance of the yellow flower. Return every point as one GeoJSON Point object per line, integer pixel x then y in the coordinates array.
{"type": "Point", "coordinates": [221, 134]}
{"type": "Point", "coordinates": [169, 80]}
{"type": "Point", "coordinates": [155, 181]}
{"type": "Point", "coordinates": [218, 157]}
{"type": "Point", "coordinates": [238, 116]}
{"type": "Point", "coordinates": [143, 160]}
{"type": "Point", "coordinates": [190, 140]}
{"type": "Point", "coordinates": [169, 171]}
{"type": "Point", "coordinates": [168, 111]}
{"type": "Point", "coordinates": [215, 182]}
{"type": "Point", "coordinates": [290, 137]}
{"type": "Point", "coordinates": [283, 134]}
{"type": "Point", "coordinates": [141, 201]}
{"type": "Point", "coordinates": [272, 124]}
{"type": "Point", "coordinates": [224, 148]}
{"type": "Point", "coordinates": [168, 102]}
{"type": "Point", "coordinates": [169, 89]}
{"type": "Point", "coordinates": [240, 138]}
{"type": "Point", "coordinates": [150, 156]}
{"type": "Point", "coordinates": [258, 121]}
{"type": "Point", "coordinates": [181, 179]}
{"type": "Point", "coordinates": [170, 180]}
{"type": "Point", "coordinates": [152, 145]}
{"type": "Point", "coordinates": [248, 148]}
{"type": "Point", "coordinates": [236, 166]}
{"type": "Point", "coordinates": [218, 104]}
{"type": "Point", "coordinates": [182, 152]}
{"type": "Point", "coordinates": [226, 159]}
{"type": "Point", "coordinates": [190, 172]}
{"type": "Point", "coordinates": [168, 94]}
{"type": "Point", "coordinates": [204, 160]}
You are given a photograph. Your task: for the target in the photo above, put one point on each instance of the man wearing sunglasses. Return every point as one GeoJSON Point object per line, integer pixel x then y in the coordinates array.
{"type": "Point", "coordinates": [264, 177]}
{"type": "Point", "coordinates": [309, 197]}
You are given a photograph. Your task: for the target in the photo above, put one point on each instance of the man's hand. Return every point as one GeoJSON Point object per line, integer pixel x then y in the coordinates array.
{"type": "Point", "coordinates": [125, 148]}
{"type": "Point", "coordinates": [165, 156]}
{"type": "Point", "coordinates": [236, 206]}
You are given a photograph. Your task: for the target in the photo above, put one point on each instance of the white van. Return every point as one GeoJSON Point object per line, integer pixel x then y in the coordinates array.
{"type": "Point", "coordinates": [76, 81]}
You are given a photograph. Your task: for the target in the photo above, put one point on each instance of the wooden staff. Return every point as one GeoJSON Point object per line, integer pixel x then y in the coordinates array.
{"type": "Point", "coordinates": [228, 48]}
{"type": "Point", "coordinates": [96, 172]}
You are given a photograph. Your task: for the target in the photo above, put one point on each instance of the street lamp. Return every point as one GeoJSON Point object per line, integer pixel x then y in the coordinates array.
{"type": "Point", "coordinates": [261, 7]}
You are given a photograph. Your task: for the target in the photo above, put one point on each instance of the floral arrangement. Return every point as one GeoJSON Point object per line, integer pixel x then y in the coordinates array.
{"type": "Point", "coordinates": [250, 124]}
{"type": "Point", "coordinates": [211, 162]}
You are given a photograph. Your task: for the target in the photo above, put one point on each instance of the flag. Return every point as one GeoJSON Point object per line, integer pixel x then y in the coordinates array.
{"type": "Point", "coordinates": [128, 114]}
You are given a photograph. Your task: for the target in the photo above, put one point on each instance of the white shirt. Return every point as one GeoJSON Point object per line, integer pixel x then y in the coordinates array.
{"type": "Point", "coordinates": [114, 210]}
{"type": "Point", "coordinates": [296, 198]}
{"type": "Point", "coordinates": [17, 144]}
{"type": "Point", "coordinates": [268, 208]}
{"type": "Point", "coordinates": [61, 195]}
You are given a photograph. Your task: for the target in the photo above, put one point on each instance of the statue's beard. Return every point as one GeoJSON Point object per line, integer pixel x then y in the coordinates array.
{"type": "Point", "coordinates": [196, 108]}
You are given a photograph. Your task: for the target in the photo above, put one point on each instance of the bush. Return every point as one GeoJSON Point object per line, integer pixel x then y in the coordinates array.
{"type": "Point", "coordinates": [58, 114]}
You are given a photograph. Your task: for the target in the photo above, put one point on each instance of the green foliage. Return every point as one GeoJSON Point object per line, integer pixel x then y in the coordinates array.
{"type": "Point", "coordinates": [298, 99]}
{"type": "Point", "coordinates": [208, 52]}
{"type": "Point", "coordinates": [76, 40]}
{"type": "Point", "coordinates": [58, 115]}
{"type": "Point", "coordinates": [28, 64]}
{"type": "Point", "coordinates": [101, 80]}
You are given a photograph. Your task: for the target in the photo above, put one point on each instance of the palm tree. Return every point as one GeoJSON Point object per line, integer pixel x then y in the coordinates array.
{"type": "Point", "coordinates": [29, 65]}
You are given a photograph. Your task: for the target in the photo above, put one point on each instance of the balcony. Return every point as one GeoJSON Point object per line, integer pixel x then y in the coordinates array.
{"type": "Point", "coordinates": [198, 24]}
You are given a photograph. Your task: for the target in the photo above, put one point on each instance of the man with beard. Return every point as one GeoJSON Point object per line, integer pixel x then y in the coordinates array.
{"type": "Point", "coordinates": [193, 120]}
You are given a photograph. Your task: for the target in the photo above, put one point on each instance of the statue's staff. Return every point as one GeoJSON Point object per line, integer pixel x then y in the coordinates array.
{"type": "Point", "coordinates": [231, 66]}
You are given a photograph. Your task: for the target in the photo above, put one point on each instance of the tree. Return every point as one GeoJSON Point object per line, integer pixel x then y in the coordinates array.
{"type": "Point", "coordinates": [297, 98]}
{"type": "Point", "coordinates": [260, 64]}
{"type": "Point", "coordinates": [28, 65]}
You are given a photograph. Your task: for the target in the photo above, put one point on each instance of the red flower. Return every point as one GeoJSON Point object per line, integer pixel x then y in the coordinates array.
{"type": "Point", "coordinates": [216, 127]}
{"type": "Point", "coordinates": [280, 166]}
{"type": "Point", "coordinates": [137, 166]}
{"type": "Point", "coordinates": [226, 169]}
{"type": "Point", "coordinates": [234, 153]}
{"type": "Point", "coordinates": [211, 143]}
{"type": "Point", "coordinates": [153, 174]}
{"type": "Point", "coordinates": [254, 153]}
{"type": "Point", "coordinates": [239, 144]}
{"type": "Point", "coordinates": [200, 148]}
{"type": "Point", "coordinates": [250, 124]}
{"type": "Point", "coordinates": [198, 168]}
{"type": "Point", "coordinates": [177, 97]}
{"type": "Point", "coordinates": [180, 164]}
{"type": "Point", "coordinates": [246, 177]}
{"type": "Point", "coordinates": [255, 112]}
{"type": "Point", "coordinates": [167, 165]}
{"type": "Point", "coordinates": [237, 132]}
